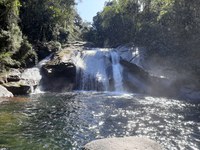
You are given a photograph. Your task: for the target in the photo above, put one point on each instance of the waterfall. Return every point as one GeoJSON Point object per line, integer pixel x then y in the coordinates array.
{"type": "Point", "coordinates": [96, 68]}
{"type": "Point", "coordinates": [117, 72]}
{"type": "Point", "coordinates": [91, 70]}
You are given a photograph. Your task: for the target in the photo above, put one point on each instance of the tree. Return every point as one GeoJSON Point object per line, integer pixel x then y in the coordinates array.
{"type": "Point", "coordinates": [117, 18]}
{"type": "Point", "coordinates": [43, 20]}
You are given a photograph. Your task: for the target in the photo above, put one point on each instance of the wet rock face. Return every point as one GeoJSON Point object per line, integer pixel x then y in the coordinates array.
{"type": "Point", "coordinates": [126, 143]}
{"type": "Point", "coordinates": [59, 74]}
{"type": "Point", "coordinates": [140, 81]}
{"type": "Point", "coordinates": [20, 88]}
{"type": "Point", "coordinates": [135, 78]}
{"type": "Point", "coordinates": [59, 77]}
{"type": "Point", "coordinates": [59, 70]}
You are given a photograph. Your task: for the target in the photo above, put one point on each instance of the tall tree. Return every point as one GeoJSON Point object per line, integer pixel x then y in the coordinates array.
{"type": "Point", "coordinates": [42, 19]}
{"type": "Point", "coordinates": [10, 33]}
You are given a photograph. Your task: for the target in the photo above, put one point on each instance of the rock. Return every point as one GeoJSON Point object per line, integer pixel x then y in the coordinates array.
{"type": "Point", "coordinates": [126, 143]}
{"type": "Point", "coordinates": [80, 44]}
{"type": "Point", "coordinates": [3, 79]}
{"type": "Point", "coordinates": [135, 78]}
{"type": "Point", "coordinates": [21, 82]}
{"type": "Point", "coordinates": [20, 88]}
{"type": "Point", "coordinates": [14, 75]}
{"type": "Point", "coordinates": [4, 92]}
{"type": "Point", "coordinates": [138, 80]}
{"type": "Point", "coordinates": [136, 69]}
{"type": "Point", "coordinates": [59, 74]}
{"type": "Point", "coordinates": [32, 75]}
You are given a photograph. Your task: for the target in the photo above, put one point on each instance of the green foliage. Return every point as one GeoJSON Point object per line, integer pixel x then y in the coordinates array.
{"type": "Point", "coordinates": [26, 56]}
{"type": "Point", "coordinates": [118, 19]}
{"type": "Point", "coordinates": [10, 33]}
{"type": "Point", "coordinates": [40, 21]}
{"type": "Point", "coordinates": [46, 20]}
{"type": "Point", "coordinates": [169, 29]}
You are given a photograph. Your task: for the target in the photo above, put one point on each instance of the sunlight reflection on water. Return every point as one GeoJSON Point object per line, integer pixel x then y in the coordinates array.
{"type": "Point", "coordinates": [70, 120]}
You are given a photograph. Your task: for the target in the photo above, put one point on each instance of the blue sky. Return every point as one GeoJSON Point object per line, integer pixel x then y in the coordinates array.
{"type": "Point", "coordinates": [87, 9]}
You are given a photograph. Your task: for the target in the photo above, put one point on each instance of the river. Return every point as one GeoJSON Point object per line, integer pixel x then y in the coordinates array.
{"type": "Point", "coordinates": [68, 121]}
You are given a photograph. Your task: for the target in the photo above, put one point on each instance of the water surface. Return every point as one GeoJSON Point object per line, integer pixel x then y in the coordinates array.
{"type": "Point", "coordinates": [67, 121]}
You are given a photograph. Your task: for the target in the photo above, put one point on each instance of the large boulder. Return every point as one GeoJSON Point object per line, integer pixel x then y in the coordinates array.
{"type": "Point", "coordinates": [125, 143]}
{"type": "Point", "coordinates": [137, 79]}
{"type": "Point", "coordinates": [4, 92]}
{"type": "Point", "coordinates": [20, 88]}
{"type": "Point", "coordinates": [140, 77]}
{"type": "Point", "coordinates": [21, 82]}
{"type": "Point", "coordinates": [13, 75]}
{"type": "Point", "coordinates": [59, 73]}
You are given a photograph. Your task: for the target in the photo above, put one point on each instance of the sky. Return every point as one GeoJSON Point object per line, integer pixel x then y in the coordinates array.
{"type": "Point", "coordinates": [87, 9]}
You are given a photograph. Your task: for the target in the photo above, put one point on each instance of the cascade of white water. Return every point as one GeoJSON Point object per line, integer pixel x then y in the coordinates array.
{"type": "Point", "coordinates": [117, 72]}
{"type": "Point", "coordinates": [39, 66]}
{"type": "Point", "coordinates": [94, 70]}
{"type": "Point", "coordinates": [91, 70]}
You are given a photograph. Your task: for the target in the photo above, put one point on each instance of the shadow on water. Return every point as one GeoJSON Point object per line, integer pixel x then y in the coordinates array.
{"type": "Point", "coordinates": [70, 120]}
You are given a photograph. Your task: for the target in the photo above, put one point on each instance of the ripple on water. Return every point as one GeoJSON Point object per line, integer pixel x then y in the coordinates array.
{"type": "Point", "coordinates": [69, 120]}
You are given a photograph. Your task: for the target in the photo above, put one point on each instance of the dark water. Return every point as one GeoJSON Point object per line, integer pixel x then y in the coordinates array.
{"type": "Point", "coordinates": [68, 121]}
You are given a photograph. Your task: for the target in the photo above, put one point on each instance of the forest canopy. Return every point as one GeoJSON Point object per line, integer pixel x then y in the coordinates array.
{"type": "Point", "coordinates": [27, 23]}
{"type": "Point", "coordinates": [170, 29]}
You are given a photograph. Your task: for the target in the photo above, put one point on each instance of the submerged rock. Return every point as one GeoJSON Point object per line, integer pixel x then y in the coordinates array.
{"type": "Point", "coordinates": [4, 92]}
{"type": "Point", "coordinates": [126, 143]}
